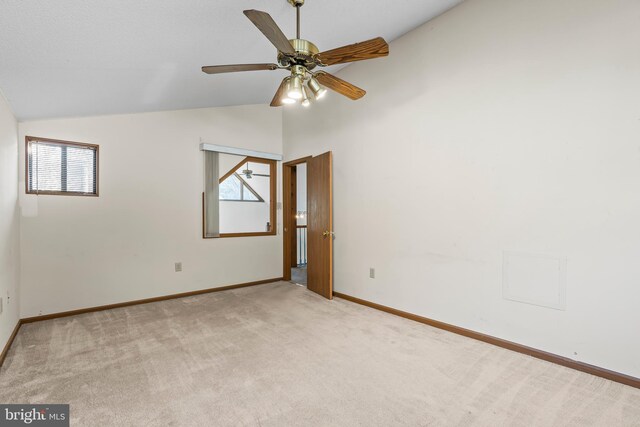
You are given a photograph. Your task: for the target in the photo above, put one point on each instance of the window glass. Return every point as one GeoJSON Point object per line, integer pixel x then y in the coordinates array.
{"type": "Point", "coordinates": [60, 167]}
{"type": "Point", "coordinates": [230, 189]}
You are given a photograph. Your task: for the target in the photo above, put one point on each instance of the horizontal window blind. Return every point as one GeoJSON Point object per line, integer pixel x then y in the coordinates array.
{"type": "Point", "coordinates": [59, 167]}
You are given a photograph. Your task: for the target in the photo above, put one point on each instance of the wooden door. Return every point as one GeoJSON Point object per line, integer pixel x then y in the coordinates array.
{"type": "Point", "coordinates": [320, 226]}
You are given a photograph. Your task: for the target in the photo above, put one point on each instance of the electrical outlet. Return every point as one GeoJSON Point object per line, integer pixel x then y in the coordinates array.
{"type": "Point", "coordinates": [178, 266]}
{"type": "Point", "coordinates": [372, 273]}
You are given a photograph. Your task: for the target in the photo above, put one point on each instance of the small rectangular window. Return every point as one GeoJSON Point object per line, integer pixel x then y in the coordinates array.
{"type": "Point", "coordinates": [61, 167]}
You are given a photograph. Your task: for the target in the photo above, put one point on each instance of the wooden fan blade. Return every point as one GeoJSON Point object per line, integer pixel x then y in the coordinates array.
{"type": "Point", "coordinates": [270, 29]}
{"type": "Point", "coordinates": [277, 99]}
{"type": "Point", "coordinates": [218, 69]}
{"type": "Point", "coordinates": [339, 85]}
{"type": "Point", "coordinates": [374, 48]}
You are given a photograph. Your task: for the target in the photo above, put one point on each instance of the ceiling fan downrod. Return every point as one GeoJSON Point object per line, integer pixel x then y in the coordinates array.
{"type": "Point", "coordinates": [297, 4]}
{"type": "Point", "coordinates": [297, 21]}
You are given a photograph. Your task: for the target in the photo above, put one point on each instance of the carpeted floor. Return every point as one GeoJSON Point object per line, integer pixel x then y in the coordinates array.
{"type": "Point", "coordinates": [279, 355]}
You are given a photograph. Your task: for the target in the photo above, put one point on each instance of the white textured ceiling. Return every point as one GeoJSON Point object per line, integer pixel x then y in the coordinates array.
{"type": "Point", "coordinates": [87, 57]}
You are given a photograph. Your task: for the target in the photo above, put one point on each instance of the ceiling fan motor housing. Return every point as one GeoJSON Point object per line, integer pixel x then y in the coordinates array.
{"type": "Point", "coordinates": [305, 52]}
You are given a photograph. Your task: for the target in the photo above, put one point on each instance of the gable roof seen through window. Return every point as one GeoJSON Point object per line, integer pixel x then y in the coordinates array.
{"type": "Point", "coordinates": [234, 188]}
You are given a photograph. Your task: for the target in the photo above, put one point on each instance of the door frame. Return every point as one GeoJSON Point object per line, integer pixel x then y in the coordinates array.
{"type": "Point", "coordinates": [289, 196]}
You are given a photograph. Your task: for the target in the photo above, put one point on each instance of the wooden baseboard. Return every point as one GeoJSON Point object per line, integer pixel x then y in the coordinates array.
{"type": "Point", "coordinates": [509, 345]}
{"type": "Point", "coordinates": [9, 342]}
{"type": "Point", "coordinates": [145, 301]}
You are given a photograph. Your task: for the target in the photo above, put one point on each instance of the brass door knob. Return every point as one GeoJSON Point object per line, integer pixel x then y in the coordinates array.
{"type": "Point", "coordinates": [327, 233]}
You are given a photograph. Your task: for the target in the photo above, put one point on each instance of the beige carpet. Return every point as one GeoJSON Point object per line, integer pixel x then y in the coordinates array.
{"type": "Point", "coordinates": [278, 355]}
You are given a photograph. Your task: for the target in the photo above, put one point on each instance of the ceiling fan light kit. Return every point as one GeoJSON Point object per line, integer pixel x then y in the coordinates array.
{"type": "Point", "coordinates": [295, 85]}
{"type": "Point", "coordinates": [306, 98]}
{"type": "Point", "coordinates": [318, 91]}
{"type": "Point", "coordinates": [300, 57]}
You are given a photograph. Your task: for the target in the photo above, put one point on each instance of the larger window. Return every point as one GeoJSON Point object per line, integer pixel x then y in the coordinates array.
{"type": "Point", "coordinates": [240, 196]}
{"type": "Point", "coordinates": [61, 167]}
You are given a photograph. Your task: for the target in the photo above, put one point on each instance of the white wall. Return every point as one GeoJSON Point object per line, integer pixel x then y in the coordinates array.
{"type": "Point", "coordinates": [9, 222]}
{"type": "Point", "coordinates": [517, 125]}
{"type": "Point", "coordinates": [82, 252]}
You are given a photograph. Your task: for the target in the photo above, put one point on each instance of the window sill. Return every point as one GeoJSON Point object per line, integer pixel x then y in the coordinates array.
{"type": "Point", "coordinates": [255, 234]}
{"type": "Point", "coordinates": [61, 193]}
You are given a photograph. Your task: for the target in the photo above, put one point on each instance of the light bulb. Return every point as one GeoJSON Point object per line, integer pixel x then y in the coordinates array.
{"type": "Point", "coordinates": [288, 100]}
{"type": "Point", "coordinates": [295, 88]}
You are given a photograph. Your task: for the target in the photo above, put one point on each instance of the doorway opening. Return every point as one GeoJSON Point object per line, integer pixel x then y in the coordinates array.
{"type": "Point", "coordinates": [299, 264]}
{"type": "Point", "coordinates": [295, 221]}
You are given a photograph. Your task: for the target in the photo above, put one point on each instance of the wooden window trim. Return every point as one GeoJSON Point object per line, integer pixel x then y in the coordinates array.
{"type": "Point", "coordinates": [28, 139]}
{"type": "Point", "coordinates": [273, 195]}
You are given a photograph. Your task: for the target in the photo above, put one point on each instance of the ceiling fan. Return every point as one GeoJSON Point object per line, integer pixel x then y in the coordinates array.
{"type": "Point", "coordinates": [248, 173]}
{"type": "Point", "coordinates": [300, 57]}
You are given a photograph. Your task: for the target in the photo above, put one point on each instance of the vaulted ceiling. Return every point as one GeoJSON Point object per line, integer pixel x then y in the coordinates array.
{"type": "Point", "coordinates": [89, 57]}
